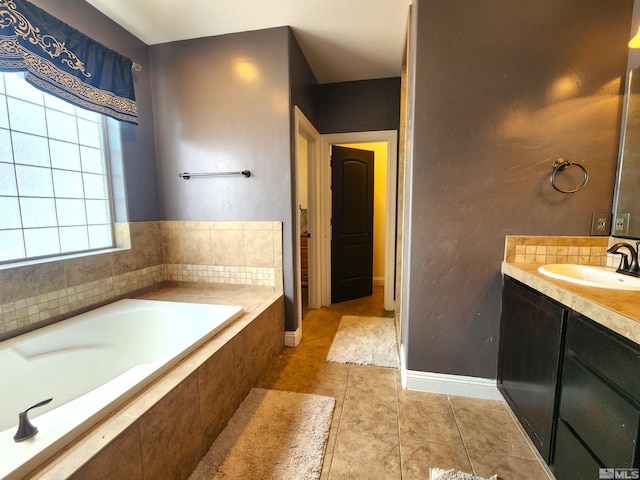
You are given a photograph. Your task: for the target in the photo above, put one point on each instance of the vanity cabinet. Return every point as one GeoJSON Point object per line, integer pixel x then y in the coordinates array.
{"type": "Point", "coordinates": [573, 384]}
{"type": "Point", "coordinates": [531, 335]}
{"type": "Point", "coordinates": [599, 412]}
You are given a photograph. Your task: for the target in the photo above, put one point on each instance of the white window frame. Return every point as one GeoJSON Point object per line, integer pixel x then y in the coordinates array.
{"type": "Point", "coordinates": [105, 205]}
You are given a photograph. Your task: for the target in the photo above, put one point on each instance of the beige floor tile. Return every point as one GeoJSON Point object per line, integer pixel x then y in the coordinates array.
{"type": "Point", "coordinates": [332, 376]}
{"type": "Point", "coordinates": [486, 426]}
{"type": "Point", "coordinates": [370, 413]}
{"type": "Point", "coordinates": [506, 467]}
{"type": "Point", "coordinates": [418, 457]}
{"type": "Point", "coordinates": [428, 421]}
{"type": "Point", "coordinates": [367, 380]}
{"type": "Point", "coordinates": [366, 456]}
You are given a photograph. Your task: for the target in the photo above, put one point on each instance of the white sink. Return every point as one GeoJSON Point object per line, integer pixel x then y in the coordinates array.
{"type": "Point", "coordinates": [600, 277]}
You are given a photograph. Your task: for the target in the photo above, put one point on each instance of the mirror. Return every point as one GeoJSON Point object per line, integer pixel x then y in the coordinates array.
{"type": "Point", "coordinates": [626, 209]}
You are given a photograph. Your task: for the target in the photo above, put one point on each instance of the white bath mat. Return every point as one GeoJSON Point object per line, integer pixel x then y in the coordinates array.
{"type": "Point", "coordinates": [365, 341]}
{"type": "Point", "coordinates": [440, 474]}
{"type": "Point", "coordinates": [274, 435]}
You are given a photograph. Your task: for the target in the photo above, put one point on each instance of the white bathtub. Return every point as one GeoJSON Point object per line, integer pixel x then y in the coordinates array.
{"type": "Point", "coordinates": [91, 364]}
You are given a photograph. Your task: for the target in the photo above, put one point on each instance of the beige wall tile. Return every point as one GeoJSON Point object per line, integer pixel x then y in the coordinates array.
{"type": "Point", "coordinates": [537, 249]}
{"type": "Point", "coordinates": [258, 248]}
{"type": "Point", "coordinates": [195, 247]}
{"type": "Point", "coordinates": [170, 433]}
{"type": "Point", "coordinates": [152, 241]}
{"type": "Point", "coordinates": [215, 387]}
{"type": "Point", "coordinates": [31, 280]}
{"type": "Point", "coordinates": [260, 226]}
{"type": "Point", "coordinates": [126, 449]}
{"type": "Point", "coordinates": [226, 225]}
{"type": "Point", "coordinates": [87, 269]}
{"type": "Point", "coordinates": [227, 247]}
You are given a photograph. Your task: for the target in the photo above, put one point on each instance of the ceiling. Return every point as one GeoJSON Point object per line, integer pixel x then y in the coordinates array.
{"type": "Point", "coordinates": [343, 40]}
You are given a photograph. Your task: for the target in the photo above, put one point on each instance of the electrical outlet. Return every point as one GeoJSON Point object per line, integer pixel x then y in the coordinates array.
{"type": "Point", "coordinates": [621, 224]}
{"type": "Point", "coordinates": [600, 223]}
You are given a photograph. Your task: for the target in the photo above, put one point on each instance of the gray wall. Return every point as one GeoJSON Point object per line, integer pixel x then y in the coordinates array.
{"type": "Point", "coordinates": [304, 86]}
{"type": "Point", "coordinates": [366, 105]}
{"type": "Point", "coordinates": [223, 104]}
{"type": "Point", "coordinates": [138, 150]}
{"type": "Point", "coordinates": [502, 88]}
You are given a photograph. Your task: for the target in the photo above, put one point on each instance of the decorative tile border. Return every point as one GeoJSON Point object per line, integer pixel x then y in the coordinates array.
{"type": "Point", "coordinates": [236, 275]}
{"type": "Point", "coordinates": [36, 309]}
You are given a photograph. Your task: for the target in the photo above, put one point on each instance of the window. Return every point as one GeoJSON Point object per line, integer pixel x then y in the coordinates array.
{"type": "Point", "coordinates": [54, 183]}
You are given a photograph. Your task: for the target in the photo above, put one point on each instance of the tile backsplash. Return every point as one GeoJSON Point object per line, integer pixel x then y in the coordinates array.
{"type": "Point", "coordinates": [148, 253]}
{"type": "Point", "coordinates": [580, 250]}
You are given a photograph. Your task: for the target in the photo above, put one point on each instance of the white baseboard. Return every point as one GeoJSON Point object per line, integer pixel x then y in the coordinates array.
{"type": "Point", "coordinates": [458, 385]}
{"type": "Point", "coordinates": [292, 339]}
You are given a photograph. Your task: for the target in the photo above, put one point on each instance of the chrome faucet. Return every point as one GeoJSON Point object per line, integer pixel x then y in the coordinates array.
{"type": "Point", "coordinates": [625, 267]}
{"type": "Point", "coordinates": [25, 428]}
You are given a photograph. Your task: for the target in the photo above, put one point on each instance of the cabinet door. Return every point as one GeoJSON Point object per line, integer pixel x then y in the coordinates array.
{"type": "Point", "coordinates": [578, 463]}
{"type": "Point", "coordinates": [530, 347]}
{"type": "Point", "coordinates": [599, 398]}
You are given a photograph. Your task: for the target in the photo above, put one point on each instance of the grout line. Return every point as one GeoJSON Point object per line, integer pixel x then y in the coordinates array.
{"type": "Point", "coordinates": [533, 448]}
{"type": "Point", "coordinates": [335, 442]}
{"type": "Point", "coordinates": [464, 444]}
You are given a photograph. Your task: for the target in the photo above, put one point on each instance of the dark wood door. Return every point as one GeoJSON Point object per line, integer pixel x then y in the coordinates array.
{"type": "Point", "coordinates": [351, 223]}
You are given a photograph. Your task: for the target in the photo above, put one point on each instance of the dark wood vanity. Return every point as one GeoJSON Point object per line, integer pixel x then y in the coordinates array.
{"type": "Point", "coordinates": [573, 383]}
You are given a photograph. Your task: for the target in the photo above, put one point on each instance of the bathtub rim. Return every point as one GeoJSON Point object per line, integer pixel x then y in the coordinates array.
{"type": "Point", "coordinates": [82, 450]}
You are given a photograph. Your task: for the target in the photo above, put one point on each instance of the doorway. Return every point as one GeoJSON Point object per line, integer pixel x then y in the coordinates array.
{"type": "Point", "coordinates": [318, 183]}
{"type": "Point", "coordinates": [307, 238]}
{"type": "Point", "coordinates": [323, 214]}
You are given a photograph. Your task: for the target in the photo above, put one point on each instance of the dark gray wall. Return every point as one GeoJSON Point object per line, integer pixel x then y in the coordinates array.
{"type": "Point", "coordinates": [361, 106]}
{"type": "Point", "coordinates": [304, 86]}
{"type": "Point", "coordinates": [223, 104]}
{"type": "Point", "coordinates": [138, 150]}
{"type": "Point", "coordinates": [502, 88]}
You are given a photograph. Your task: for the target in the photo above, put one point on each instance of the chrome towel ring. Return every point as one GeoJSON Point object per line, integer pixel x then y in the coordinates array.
{"type": "Point", "coordinates": [561, 164]}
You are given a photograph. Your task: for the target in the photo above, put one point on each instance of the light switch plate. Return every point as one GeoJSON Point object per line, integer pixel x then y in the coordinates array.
{"type": "Point", "coordinates": [600, 223]}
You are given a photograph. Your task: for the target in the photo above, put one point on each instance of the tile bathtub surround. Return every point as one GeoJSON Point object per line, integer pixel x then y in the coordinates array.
{"type": "Point", "coordinates": [534, 249]}
{"type": "Point", "coordinates": [248, 244]}
{"type": "Point", "coordinates": [54, 305]}
{"type": "Point", "coordinates": [244, 253]}
{"type": "Point", "coordinates": [167, 429]}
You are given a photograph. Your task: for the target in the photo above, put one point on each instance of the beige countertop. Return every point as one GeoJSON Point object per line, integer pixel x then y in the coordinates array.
{"type": "Point", "coordinates": [617, 310]}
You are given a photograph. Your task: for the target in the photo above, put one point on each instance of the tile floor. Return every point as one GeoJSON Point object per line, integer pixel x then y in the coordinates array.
{"type": "Point", "coordinates": [381, 431]}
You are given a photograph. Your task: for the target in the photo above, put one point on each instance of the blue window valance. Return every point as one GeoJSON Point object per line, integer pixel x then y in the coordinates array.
{"type": "Point", "coordinates": [64, 62]}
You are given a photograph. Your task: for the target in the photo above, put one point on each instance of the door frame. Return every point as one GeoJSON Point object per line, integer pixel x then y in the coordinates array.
{"type": "Point", "coordinates": [303, 127]}
{"type": "Point", "coordinates": [323, 254]}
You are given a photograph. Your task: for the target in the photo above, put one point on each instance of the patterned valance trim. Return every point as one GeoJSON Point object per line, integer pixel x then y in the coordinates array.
{"type": "Point", "coordinates": [64, 62]}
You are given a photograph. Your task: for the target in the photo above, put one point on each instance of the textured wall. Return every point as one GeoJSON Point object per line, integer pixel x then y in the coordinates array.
{"type": "Point", "coordinates": [223, 104]}
{"type": "Point", "coordinates": [138, 150]}
{"type": "Point", "coordinates": [502, 88]}
{"type": "Point", "coordinates": [362, 106]}
{"type": "Point", "coordinates": [304, 86]}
